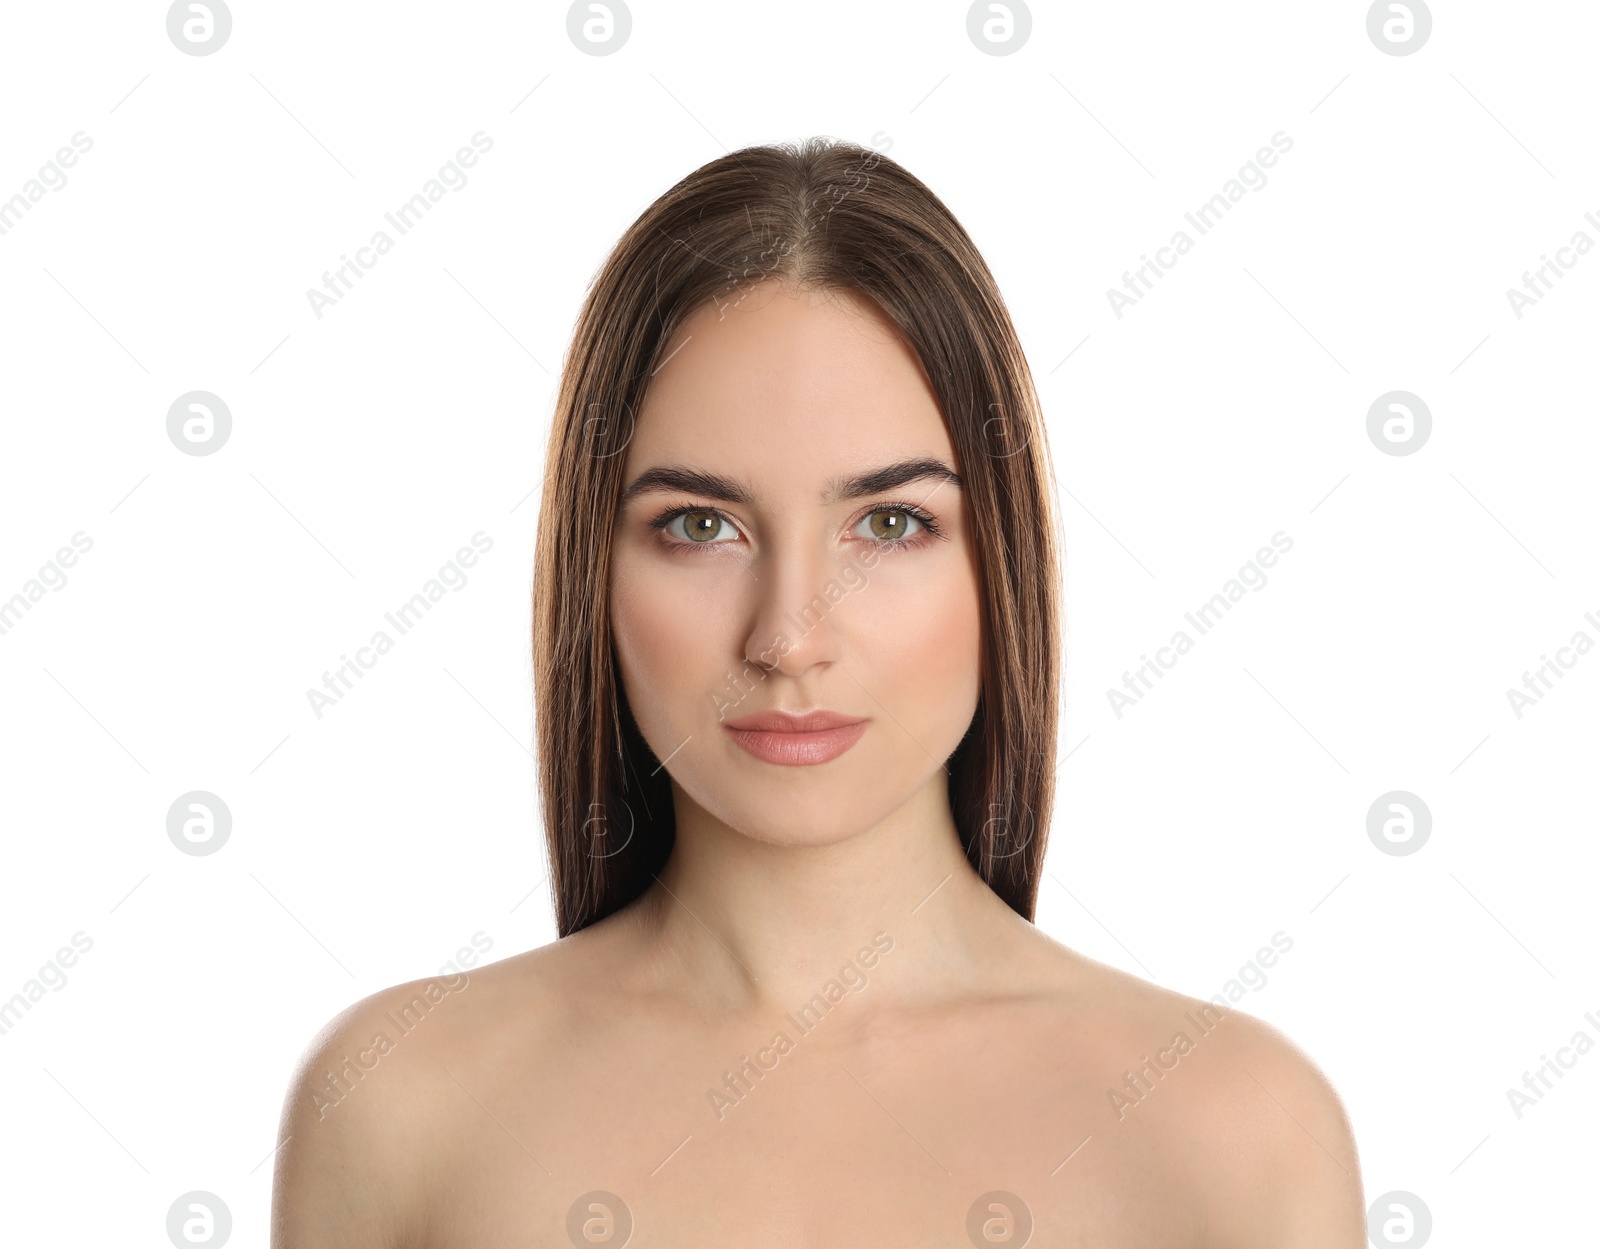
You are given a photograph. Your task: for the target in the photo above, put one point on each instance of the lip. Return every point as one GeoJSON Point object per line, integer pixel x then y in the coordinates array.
{"type": "Point", "coordinates": [796, 739]}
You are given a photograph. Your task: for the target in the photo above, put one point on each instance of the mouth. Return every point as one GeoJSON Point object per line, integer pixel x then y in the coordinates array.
{"type": "Point", "coordinates": [796, 740]}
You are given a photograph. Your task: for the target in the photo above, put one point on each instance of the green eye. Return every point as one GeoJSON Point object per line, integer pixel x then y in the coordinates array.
{"type": "Point", "coordinates": [701, 525]}
{"type": "Point", "coordinates": [891, 525]}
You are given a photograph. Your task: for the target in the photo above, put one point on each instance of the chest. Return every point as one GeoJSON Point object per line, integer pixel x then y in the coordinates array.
{"type": "Point", "coordinates": [807, 1141]}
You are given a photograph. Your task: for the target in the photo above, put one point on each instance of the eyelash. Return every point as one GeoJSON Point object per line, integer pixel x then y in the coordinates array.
{"type": "Point", "coordinates": [931, 530]}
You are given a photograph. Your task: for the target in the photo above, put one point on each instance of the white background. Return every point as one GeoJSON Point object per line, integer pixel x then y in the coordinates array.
{"type": "Point", "coordinates": [369, 444]}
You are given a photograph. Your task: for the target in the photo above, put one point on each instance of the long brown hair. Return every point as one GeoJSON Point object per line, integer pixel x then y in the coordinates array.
{"type": "Point", "coordinates": [819, 214]}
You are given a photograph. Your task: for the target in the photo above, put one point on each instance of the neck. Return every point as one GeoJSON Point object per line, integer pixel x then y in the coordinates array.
{"type": "Point", "coordinates": [755, 926]}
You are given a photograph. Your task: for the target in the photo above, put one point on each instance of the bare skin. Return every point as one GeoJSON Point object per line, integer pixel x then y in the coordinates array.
{"type": "Point", "coordinates": [820, 1028]}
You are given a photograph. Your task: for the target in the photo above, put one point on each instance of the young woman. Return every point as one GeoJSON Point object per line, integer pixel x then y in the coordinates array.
{"type": "Point", "coordinates": [796, 639]}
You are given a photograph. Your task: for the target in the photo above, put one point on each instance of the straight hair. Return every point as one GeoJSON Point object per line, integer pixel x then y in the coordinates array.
{"type": "Point", "coordinates": [817, 214]}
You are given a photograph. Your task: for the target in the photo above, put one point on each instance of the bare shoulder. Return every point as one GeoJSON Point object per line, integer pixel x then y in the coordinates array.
{"type": "Point", "coordinates": [1228, 1106]}
{"type": "Point", "coordinates": [1289, 1157]}
{"type": "Point", "coordinates": [390, 1082]}
{"type": "Point", "coordinates": [346, 1154]}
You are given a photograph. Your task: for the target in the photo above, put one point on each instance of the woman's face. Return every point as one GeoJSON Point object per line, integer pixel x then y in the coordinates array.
{"type": "Point", "coordinates": [758, 568]}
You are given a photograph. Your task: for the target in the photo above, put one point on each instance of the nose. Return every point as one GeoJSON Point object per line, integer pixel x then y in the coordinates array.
{"type": "Point", "coordinates": [797, 592]}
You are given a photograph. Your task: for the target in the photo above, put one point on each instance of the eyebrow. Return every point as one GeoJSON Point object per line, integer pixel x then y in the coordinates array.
{"type": "Point", "coordinates": [715, 486]}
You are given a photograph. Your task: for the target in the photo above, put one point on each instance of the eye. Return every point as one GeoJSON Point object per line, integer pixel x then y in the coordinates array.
{"type": "Point", "coordinates": [699, 525]}
{"type": "Point", "coordinates": [893, 525]}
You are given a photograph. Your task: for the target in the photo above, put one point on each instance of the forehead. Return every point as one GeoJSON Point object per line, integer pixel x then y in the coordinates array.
{"type": "Point", "coordinates": [784, 386]}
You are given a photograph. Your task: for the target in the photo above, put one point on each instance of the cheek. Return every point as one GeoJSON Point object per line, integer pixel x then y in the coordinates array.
{"type": "Point", "coordinates": [665, 644]}
{"type": "Point", "coordinates": [926, 647]}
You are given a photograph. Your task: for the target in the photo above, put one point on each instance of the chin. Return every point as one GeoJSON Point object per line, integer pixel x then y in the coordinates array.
{"type": "Point", "coordinates": [784, 815]}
